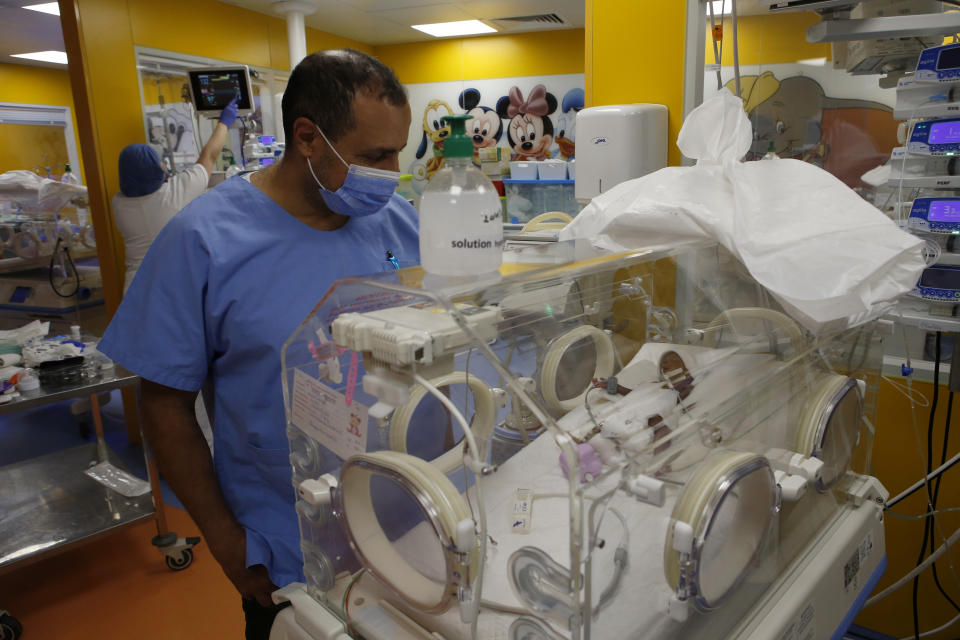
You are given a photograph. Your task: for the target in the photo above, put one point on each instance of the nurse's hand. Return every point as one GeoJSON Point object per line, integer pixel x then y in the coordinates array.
{"type": "Point", "coordinates": [229, 113]}
{"type": "Point", "coordinates": [254, 582]}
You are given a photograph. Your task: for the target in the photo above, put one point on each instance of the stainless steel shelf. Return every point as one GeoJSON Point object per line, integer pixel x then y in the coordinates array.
{"type": "Point", "coordinates": [48, 504]}
{"type": "Point", "coordinates": [84, 390]}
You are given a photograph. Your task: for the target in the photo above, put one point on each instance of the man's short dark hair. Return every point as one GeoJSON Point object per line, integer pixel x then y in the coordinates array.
{"type": "Point", "coordinates": [323, 85]}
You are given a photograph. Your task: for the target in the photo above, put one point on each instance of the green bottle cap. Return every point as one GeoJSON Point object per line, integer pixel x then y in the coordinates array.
{"type": "Point", "coordinates": [458, 145]}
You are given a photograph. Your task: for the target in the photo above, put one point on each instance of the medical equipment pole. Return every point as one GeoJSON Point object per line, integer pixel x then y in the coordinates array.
{"type": "Point", "coordinates": [295, 10]}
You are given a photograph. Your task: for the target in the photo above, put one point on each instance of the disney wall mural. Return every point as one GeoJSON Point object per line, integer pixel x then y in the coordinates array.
{"type": "Point", "coordinates": [817, 114]}
{"type": "Point", "coordinates": [527, 118]}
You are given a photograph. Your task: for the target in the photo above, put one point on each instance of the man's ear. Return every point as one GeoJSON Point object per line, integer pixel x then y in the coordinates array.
{"type": "Point", "coordinates": [305, 136]}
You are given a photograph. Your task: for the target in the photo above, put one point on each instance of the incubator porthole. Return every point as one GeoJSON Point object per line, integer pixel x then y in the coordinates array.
{"type": "Point", "coordinates": [830, 426]}
{"type": "Point", "coordinates": [566, 374]}
{"type": "Point", "coordinates": [729, 504]}
{"type": "Point", "coordinates": [424, 428]}
{"type": "Point", "coordinates": [400, 515]}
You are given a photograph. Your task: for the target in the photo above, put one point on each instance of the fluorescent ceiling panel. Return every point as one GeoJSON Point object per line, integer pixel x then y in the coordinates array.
{"type": "Point", "coordinates": [719, 6]}
{"type": "Point", "coordinates": [58, 57]}
{"type": "Point", "coordinates": [459, 28]}
{"type": "Point", "coordinates": [47, 7]}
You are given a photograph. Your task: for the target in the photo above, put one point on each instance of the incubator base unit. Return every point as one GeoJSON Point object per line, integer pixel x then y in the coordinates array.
{"type": "Point", "coordinates": [816, 598]}
{"type": "Point", "coordinates": [639, 445]}
{"type": "Point", "coordinates": [31, 291]}
{"type": "Point", "coordinates": [618, 143]}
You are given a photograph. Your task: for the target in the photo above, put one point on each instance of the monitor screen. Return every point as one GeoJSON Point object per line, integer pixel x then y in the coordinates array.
{"type": "Point", "coordinates": [949, 58]}
{"type": "Point", "coordinates": [213, 89]}
{"type": "Point", "coordinates": [266, 139]}
{"type": "Point", "coordinates": [944, 211]}
{"type": "Point", "coordinates": [944, 132]}
{"type": "Point", "coordinates": [940, 278]}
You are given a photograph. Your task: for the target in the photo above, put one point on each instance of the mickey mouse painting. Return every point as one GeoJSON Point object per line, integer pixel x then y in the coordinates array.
{"type": "Point", "coordinates": [436, 131]}
{"type": "Point", "coordinates": [485, 127]}
{"type": "Point", "coordinates": [530, 131]}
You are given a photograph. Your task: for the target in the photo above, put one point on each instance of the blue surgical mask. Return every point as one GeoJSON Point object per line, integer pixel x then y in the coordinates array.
{"type": "Point", "coordinates": [365, 191]}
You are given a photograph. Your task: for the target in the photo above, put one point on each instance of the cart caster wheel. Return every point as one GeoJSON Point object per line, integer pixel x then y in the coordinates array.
{"type": "Point", "coordinates": [181, 560]}
{"type": "Point", "coordinates": [10, 628]}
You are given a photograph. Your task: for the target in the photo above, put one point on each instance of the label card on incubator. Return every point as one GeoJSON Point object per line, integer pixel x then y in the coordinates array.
{"type": "Point", "coordinates": [324, 415]}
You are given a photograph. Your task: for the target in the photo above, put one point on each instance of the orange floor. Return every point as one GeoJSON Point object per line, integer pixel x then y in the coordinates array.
{"type": "Point", "coordinates": [119, 587]}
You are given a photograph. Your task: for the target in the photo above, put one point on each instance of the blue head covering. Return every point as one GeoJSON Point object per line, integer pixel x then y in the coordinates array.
{"type": "Point", "coordinates": [140, 171]}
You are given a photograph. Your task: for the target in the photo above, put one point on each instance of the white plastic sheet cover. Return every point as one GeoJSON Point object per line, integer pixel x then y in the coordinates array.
{"type": "Point", "coordinates": [29, 189]}
{"type": "Point", "coordinates": [828, 256]}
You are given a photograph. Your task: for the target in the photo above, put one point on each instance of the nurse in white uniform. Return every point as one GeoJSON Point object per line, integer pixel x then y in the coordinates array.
{"type": "Point", "coordinates": [147, 200]}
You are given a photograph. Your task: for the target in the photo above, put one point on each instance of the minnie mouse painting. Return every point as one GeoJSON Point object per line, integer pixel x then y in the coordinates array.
{"type": "Point", "coordinates": [530, 131]}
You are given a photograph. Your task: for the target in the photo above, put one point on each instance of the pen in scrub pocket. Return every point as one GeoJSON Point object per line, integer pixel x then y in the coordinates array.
{"type": "Point", "coordinates": [392, 260]}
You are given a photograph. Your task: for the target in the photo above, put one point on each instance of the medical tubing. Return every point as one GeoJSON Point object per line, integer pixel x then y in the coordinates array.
{"type": "Point", "coordinates": [942, 627]}
{"type": "Point", "coordinates": [919, 484]}
{"type": "Point", "coordinates": [736, 53]}
{"type": "Point", "coordinates": [907, 391]}
{"type": "Point", "coordinates": [472, 444]}
{"type": "Point", "coordinates": [928, 514]}
{"type": "Point", "coordinates": [916, 571]}
{"type": "Point", "coordinates": [933, 503]}
{"type": "Point", "coordinates": [929, 461]}
{"type": "Point", "coordinates": [716, 52]}
{"type": "Point", "coordinates": [619, 566]}
{"type": "Point", "coordinates": [243, 140]}
{"type": "Point", "coordinates": [73, 268]}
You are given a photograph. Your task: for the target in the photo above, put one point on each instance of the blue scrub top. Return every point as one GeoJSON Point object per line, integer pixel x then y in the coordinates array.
{"type": "Point", "coordinates": [224, 285]}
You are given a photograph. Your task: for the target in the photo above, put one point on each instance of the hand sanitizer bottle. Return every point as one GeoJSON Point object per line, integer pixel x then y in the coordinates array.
{"type": "Point", "coordinates": [461, 224]}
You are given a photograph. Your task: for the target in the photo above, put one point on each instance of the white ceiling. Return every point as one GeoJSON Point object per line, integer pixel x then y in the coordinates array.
{"type": "Point", "coordinates": [23, 31]}
{"type": "Point", "coordinates": [374, 22]}
{"type": "Point", "coordinates": [378, 22]}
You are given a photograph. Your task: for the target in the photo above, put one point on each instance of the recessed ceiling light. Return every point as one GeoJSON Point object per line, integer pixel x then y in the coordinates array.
{"type": "Point", "coordinates": [59, 57]}
{"type": "Point", "coordinates": [459, 28]}
{"type": "Point", "coordinates": [814, 62]}
{"type": "Point", "coordinates": [47, 7]}
{"type": "Point", "coordinates": [720, 7]}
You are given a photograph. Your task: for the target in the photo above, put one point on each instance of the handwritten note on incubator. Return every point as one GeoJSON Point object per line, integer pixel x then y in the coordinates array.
{"type": "Point", "coordinates": [324, 415]}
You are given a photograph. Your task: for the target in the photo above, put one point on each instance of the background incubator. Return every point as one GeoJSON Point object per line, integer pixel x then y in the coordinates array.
{"type": "Point", "coordinates": [636, 445]}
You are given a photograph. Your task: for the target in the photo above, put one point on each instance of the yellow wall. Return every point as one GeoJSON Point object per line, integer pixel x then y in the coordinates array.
{"type": "Point", "coordinates": [32, 147]}
{"type": "Point", "coordinates": [897, 463]}
{"type": "Point", "coordinates": [635, 54]}
{"type": "Point", "coordinates": [37, 85]}
{"type": "Point", "coordinates": [768, 39]}
{"type": "Point", "coordinates": [527, 54]}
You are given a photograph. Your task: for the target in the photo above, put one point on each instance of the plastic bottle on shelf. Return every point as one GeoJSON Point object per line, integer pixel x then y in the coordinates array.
{"type": "Point", "coordinates": [69, 177]}
{"type": "Point", "coordinates": [771, 153]}
{"type": "Point", "coordinates": [461, 230]}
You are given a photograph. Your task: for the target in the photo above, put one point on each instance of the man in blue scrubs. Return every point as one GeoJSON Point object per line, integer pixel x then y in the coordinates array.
{"type": "Point", "coordinates": [228, 280]}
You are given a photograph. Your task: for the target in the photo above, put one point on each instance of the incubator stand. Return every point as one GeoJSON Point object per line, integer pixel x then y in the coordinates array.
{"type": "Point", "coordinates": [653, 450]}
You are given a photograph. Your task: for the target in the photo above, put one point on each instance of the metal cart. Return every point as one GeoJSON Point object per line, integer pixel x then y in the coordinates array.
{"type": "Point", "coordinates": [49, 505]}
